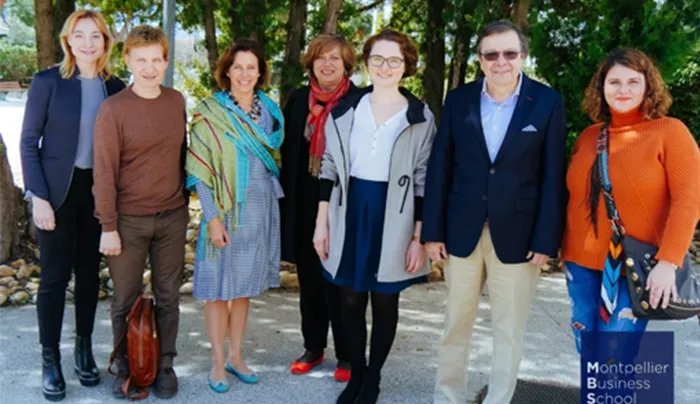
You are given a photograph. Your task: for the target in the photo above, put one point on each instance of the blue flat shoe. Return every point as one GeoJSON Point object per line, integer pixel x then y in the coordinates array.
{"type": "Point", "coordinates": [219, 387]}
{"type": "Point", "coordinates": [249, 378]}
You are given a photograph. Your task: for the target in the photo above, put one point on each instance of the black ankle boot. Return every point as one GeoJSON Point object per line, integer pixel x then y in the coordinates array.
{"type": "Point", "coordinates": [85, 366]}
{"type": "Point", "coordinates": [53, 385]}
{"type": "Point", "coordinates": [352, 389]}
{"type": "Point", "coordinates": [369, 393]}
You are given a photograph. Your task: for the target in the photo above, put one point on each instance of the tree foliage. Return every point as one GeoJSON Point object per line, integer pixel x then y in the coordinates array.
{"type": "Point", "coordinates": [570, 38]}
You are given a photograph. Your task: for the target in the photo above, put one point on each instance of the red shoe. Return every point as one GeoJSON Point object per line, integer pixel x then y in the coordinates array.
{"type": "Point", "coordinates": [300, 367]}
{"type": "Point", "coordinates": [342, 375]}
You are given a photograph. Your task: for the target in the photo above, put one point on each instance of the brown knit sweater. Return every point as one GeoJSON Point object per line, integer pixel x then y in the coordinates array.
{"type": "Point", "coordinates": [139, 151]}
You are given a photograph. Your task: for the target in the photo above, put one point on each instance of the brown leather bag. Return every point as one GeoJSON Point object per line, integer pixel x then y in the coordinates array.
{"type": "Point", "coordinates": [143, 348]}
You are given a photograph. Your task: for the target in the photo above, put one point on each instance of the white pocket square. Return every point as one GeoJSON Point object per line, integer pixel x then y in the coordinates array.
{"type": "Point", "coordinates": [529, 128]}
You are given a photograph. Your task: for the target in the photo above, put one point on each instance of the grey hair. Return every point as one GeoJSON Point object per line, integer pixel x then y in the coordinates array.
{"type": "Point", "coordinates": [499, 27]}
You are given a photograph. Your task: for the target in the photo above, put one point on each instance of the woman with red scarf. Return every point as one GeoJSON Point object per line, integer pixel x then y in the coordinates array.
{"type": "Point", "coordinates": [329, 62]}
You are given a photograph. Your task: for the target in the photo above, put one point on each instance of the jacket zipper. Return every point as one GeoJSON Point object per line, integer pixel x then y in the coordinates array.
{"type": "Point", "coordinates": [342, 153]}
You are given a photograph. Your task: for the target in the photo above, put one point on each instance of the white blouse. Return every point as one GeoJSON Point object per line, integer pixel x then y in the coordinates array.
{"type": "Point", "coordinates": [371, 146]}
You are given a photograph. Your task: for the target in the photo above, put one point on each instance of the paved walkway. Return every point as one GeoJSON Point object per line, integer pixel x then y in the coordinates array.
{"type": "Point", "coordinates": [273, 339]}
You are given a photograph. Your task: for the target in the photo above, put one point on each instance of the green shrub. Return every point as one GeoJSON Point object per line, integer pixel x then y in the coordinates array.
{"type": "Point", "coordinates": [18, 62]}
{"type": "Point", "coordinates": [685, 90]}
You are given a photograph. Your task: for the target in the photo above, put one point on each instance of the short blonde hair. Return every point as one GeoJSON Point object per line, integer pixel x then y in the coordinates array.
{"type": "Point", "coordinates": [68, 63]}
{"type": "Point", "coordinates": [145, 35]}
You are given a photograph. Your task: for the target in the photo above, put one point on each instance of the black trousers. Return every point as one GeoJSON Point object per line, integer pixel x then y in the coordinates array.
{"type": "Point", "coordinates": [72, 245]}
{"type": "Point", "coordinates": [319, 300]}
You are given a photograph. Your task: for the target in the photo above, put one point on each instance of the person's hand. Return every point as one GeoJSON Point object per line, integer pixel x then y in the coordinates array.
{"type": "Point", "coordinates": [662, 284]}
{"type": "Point", "coordinates": [436, 251]}
{"type": "Point", "coordinates": [43, 215]}
{"type": "Point", "coordinates": [415, 256]}
{"type": "Point", "coordinates": [537, 259]}
{"type": "Point", "coordinates": [110, 243]}
{"type": "Point", "coordinates": [217, 233]}
{"type": "Point", "coordinates": [322, 241]}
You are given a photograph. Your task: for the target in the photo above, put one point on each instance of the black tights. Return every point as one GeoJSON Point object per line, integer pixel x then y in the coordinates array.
{"type": "Point", "coordinates": [385, 317]}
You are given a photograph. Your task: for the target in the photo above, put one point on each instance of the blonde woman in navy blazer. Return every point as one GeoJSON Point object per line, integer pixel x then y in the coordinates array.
{"type": "Point", "coordinates": [56, 151]}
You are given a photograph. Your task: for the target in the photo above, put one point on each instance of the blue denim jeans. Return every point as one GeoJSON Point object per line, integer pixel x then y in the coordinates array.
{"type": "Point", "coordinates": [584, 289]}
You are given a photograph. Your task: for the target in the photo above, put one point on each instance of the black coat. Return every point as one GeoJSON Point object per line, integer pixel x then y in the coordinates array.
{"type": "Point", "coordinates": [299, 206]}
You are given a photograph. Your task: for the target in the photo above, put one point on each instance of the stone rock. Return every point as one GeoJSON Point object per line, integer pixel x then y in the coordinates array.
{"type": "Point", "coordinates": [36, 270]}
{"type": "Point", "coordinates": [3, 300]}
{"type": "Point", "coordinates": [13, 283]}
{"type": "Point", "coordinates": [102, 294]}
{"type": "Point", "coordinates": [104, 274]}
{"type": "Point", "coordinates": [5, 281]}
{"type": "Point", "coordinates": [71, 286]}
{"type": "Point", "coordinates": [147, 277]}
{"type": "Point", "coordinates": [187, 288]}
{"type": "Point", "coordinates": [191, 235]}
{"type": "Point", "coordinates": [6, 270]}
{"type": "Point", "coordinates": [69, 296]}
{"type": "Point", "coordinates": [17, 264]}
{"type": "Point", "coordinates": [189, 258]}
{"type": "Point", "coordinates": [37, 254]}
{"type": "Point", "coordinates": [31, 286]}
{"type": "Point", "coordinates": [148, 289]}
{"type": "Point", "coordinates": [189, 248]}
{"type": "Point", "coordinates": [110, 284]}
{"type": "Point", "coordinates": [35, 298]}
{"type": "Point", "coordinates": [25, 271]}
{"type": "Point", "coordinates": [189, 267]}
{"type": "Point", "coordinates": [20, 297]}
{"type": "Point", "coordinates": [288, 280]}
{"type": "Point", "coordinates": [435, 274]}
{"type": "Point", "coordinates": [4, 290]}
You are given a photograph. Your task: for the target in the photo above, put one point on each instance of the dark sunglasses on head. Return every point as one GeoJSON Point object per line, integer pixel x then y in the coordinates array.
{"type": "Point", "coordinates": [493, 55]}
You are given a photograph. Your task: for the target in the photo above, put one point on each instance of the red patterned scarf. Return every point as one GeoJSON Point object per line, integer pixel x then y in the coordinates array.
{"type": "Point", "coordinates": [316, 121]}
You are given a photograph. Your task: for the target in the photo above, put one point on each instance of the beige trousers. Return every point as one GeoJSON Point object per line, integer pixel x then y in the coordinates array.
{"type": "Point", "coordinates": [511, 289]}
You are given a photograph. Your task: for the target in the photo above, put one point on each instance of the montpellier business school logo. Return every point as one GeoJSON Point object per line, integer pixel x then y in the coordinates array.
{"type": "Point", "coordinates": [627, 368]}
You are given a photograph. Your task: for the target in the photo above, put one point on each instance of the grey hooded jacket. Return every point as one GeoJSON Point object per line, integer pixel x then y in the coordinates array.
{"type": "Point", "coordinates": [407, 174]}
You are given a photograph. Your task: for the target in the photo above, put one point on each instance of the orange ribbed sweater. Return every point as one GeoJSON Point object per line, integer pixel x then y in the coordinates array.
{"type": "Point", "coordinates": [654, 168]}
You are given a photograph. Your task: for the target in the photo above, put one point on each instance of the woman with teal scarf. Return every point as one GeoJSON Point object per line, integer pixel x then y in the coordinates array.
{"type": "Point", "coordinates": [233, 164]}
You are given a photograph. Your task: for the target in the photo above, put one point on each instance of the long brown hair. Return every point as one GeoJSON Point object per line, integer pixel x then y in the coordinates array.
{"type": "Point", "coordinates": [655, 104]}
{"type": "Point", "coordinates": [68, 63]}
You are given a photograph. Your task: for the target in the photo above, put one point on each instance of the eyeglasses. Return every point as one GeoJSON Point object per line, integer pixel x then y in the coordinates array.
{"type": "Point", "coordinates": [394, 62]}
{"type": "Point", "coordinates": [493, 55]}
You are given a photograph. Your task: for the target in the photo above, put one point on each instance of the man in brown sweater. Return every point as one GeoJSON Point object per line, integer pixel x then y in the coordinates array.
{"type": "Point", "coordinates": [139, 196]}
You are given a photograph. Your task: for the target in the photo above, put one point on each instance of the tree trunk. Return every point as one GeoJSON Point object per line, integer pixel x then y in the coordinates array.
{"type": "Point", "coordinates": [434, 75]}
{"type": "Point", "coordinates": [333, 8]}
{"type": "Point", "coordinates": [520, 11]}
{"type": "Point", "coordinates": [235, 19]}
{"type": "Point", "coordinates": [292, 70]}
{"type": "Point", "coordinates": [62, 10]}
{"type": "Point", "coordinates": [11, 207]}
{"type": "Point", "coordinates": [210, 38]}
{"type": "Point", "coordinates": [460, 54]}
{"type": "Point", "coordinates": [45, 43]}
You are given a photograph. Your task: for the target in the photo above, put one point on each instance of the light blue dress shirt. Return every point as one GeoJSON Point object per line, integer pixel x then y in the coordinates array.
{"type": "Point", "coordinates": [496, 116]}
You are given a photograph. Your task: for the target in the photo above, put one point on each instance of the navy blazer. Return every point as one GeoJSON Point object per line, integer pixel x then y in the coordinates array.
{"type": "Point", "coordinates": [50, 133]}
{"type": "Point", "coordinates": [522, 193]}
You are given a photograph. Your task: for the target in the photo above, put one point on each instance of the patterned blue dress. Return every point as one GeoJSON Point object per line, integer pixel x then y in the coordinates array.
{"type": "Point", "coordinates": [250, 263]}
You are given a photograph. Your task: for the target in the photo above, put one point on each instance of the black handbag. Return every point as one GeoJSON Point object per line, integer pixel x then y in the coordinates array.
{"type": "Point", "coordinates": [639, 260]}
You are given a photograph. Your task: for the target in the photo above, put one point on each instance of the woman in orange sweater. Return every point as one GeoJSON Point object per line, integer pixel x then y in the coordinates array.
{"type": "Point", "coordinates": [654, 169]}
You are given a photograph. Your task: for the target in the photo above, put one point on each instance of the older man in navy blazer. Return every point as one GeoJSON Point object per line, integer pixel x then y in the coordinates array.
{"type": "Point", "coordinates": [494, 206]}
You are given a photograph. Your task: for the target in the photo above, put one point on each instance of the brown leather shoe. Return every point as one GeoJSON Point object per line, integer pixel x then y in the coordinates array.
{"type": "Point", "coordinates": [166, 383]}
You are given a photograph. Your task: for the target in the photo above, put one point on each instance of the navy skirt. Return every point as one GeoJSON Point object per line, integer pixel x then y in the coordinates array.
{"type": "Point", "coordinates": [364, 225]}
